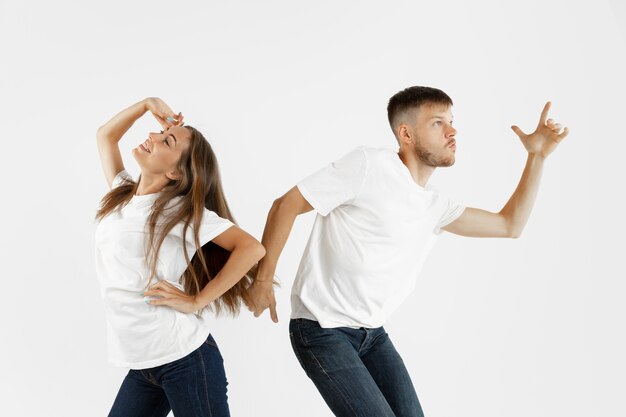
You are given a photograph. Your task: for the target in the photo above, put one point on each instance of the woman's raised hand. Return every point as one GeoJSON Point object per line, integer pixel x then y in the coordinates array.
{"type": "Point", "coordinates": [163, 113]}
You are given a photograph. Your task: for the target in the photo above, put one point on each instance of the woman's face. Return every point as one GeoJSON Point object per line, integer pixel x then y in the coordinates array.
{"type": "Point", "coordinates": [160, 153]}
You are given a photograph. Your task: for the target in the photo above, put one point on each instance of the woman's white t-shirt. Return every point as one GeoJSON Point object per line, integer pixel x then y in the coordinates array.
{"type": "Point", "coordinates": [140, 335]}
{"type": "Point", "coordinates": [373, 231]}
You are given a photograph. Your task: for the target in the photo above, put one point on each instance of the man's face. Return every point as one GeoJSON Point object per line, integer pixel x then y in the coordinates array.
{"type": "Point", "coordinates": [434, 137]}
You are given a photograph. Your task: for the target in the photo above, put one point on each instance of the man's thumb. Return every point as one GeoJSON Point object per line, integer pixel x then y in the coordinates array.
{"type": "Point", "coordinates": [518, 131]}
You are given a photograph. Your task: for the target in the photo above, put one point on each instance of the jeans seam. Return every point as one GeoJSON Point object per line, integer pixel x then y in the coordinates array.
{"type": "Point", "coordinates": [317, 362]}
{"type": "Point", "coordinates": [333, 383]}
{"type": "Point", "coordinates": [204, 380]}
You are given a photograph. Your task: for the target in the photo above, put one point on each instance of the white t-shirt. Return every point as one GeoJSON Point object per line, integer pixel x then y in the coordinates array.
{"type": "Point", "coordinates": [373, 231]}
{"type": "Point", "coordinates": [140, 335]}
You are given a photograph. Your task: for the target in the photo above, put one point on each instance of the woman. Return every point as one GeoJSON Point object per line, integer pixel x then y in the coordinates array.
{"type": "Point", "coordinates": [147, 241]}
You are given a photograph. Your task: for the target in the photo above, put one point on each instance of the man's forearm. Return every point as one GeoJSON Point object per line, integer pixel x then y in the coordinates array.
{"type": "Point", "coordinates": [277, 228]}
{"type": "Point", "coordinates": [517, 210]}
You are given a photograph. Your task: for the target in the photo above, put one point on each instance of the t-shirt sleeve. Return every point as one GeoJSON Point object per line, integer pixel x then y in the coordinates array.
{"type": "Point", "coordinates": [211, 227]}
{"type": "Point", "coordinates": [121, 178]}
{"type": "Point", "coordinates": [337, 183]}
{"type": "Point", "coordinates": [451, 210]}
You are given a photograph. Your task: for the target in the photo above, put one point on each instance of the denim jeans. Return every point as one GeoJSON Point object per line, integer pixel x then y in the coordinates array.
{"type": "Point", "coordinates": [358, 371]}
{"type": "Point", "coordinates": [191, 386]}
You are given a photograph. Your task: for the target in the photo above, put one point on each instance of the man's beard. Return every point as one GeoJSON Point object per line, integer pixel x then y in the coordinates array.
{"type": "Point", "coordinates": [430, 159]}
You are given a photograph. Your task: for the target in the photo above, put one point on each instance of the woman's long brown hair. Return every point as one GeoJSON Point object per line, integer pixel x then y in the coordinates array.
{"type": "Point", "coordinates": [199, 187]}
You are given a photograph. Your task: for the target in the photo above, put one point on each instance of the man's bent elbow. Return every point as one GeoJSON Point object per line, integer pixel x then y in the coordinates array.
{"type": "Point", "coordinates": [510, 228]}
{"type": "Point", "coordinates": [514, 233]}
{"type": "Point", "coordinates": [292, 203]}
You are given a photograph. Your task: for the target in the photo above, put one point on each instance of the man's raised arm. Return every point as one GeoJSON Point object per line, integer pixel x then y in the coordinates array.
{"type": "Point", "coordinates": [510, 221]}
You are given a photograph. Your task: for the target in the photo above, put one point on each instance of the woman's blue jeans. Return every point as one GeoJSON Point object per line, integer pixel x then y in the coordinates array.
{"type": "Point", "coordinates": [358, 371]}
{"type": "Point", "coordinates": [192, 386]}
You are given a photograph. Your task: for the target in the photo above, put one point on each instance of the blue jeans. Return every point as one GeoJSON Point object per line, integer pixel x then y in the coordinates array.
{"type": "Point", "coordinates": [192, 386]}
{"type": "Point", "coordinates": [358, 371]}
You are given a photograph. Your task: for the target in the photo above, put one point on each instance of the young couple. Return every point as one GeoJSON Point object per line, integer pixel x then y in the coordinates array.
{"type": "Point", "coordinates": [168, 249]}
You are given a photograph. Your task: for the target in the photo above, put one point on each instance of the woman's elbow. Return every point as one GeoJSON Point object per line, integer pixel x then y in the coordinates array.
{"type": "Point", "coordinates": [254, 249]}
{"type": "Point", "coordinates": [259, 251]}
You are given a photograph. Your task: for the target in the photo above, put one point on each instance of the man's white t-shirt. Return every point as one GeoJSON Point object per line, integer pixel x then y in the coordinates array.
{"type": "Point", "coordinates": [140, 335]}
{"type": "Point", "coordinates": [373, 231]}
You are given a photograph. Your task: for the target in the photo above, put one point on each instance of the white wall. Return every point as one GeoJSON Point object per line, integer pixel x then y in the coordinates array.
{"type": "Point", "coordinates": [533, 326]}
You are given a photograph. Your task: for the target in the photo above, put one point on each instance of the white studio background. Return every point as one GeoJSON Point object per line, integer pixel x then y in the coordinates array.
{"type": "Point", "coordinates": [533, 326]}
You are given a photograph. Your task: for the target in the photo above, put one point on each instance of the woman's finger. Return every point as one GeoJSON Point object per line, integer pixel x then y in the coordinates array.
{"type": "Point", "coordinates": [162, 283]}
{"type": "Point", "coordinates": [167, 284]}
{"type": "Point", "coordinates": [164, 286]}
{"type": "Point", "coordinates": [155, 292]}
{"type": "Point", "coordinates": [161, 121]}
{"type": "Point", "coordinates": [160, 302]}
{"type": "Point", "coordinates": [161, 293]}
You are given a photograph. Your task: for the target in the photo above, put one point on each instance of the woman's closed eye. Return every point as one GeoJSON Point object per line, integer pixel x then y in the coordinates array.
{"type": "Point", "coordinates": [165, 140]}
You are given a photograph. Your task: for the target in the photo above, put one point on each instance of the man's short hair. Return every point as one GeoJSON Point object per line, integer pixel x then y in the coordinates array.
{"type": "Point", "coordinates": [411, 98]}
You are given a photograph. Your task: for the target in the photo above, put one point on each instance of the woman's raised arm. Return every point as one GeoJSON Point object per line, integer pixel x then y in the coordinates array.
{"type": "Point", "coordinates": [110, 133]}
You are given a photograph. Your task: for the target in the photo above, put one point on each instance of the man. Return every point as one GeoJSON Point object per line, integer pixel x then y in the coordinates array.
{"type": "Point", "coordinates": [377, 220]}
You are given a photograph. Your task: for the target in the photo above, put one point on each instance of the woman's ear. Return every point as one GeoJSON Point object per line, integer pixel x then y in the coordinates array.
{"type": "Point", "coordinates": [173, 175]}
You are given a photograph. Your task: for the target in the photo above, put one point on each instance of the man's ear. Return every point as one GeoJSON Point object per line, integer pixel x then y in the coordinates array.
{"type": "Point", "coordinates": [404, 134]}
{"type": "Point", "coordinates": [173, 175]}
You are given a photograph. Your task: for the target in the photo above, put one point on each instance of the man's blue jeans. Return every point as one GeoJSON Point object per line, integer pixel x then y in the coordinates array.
{"type": "Point", "coordinates": [358, 371]}
{"type": "Point", "coordinates": [191, 386]}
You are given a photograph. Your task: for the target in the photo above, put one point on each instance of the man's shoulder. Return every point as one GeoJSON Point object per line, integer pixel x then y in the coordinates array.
{"type": "Point", "coordinates": [375, 154]}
